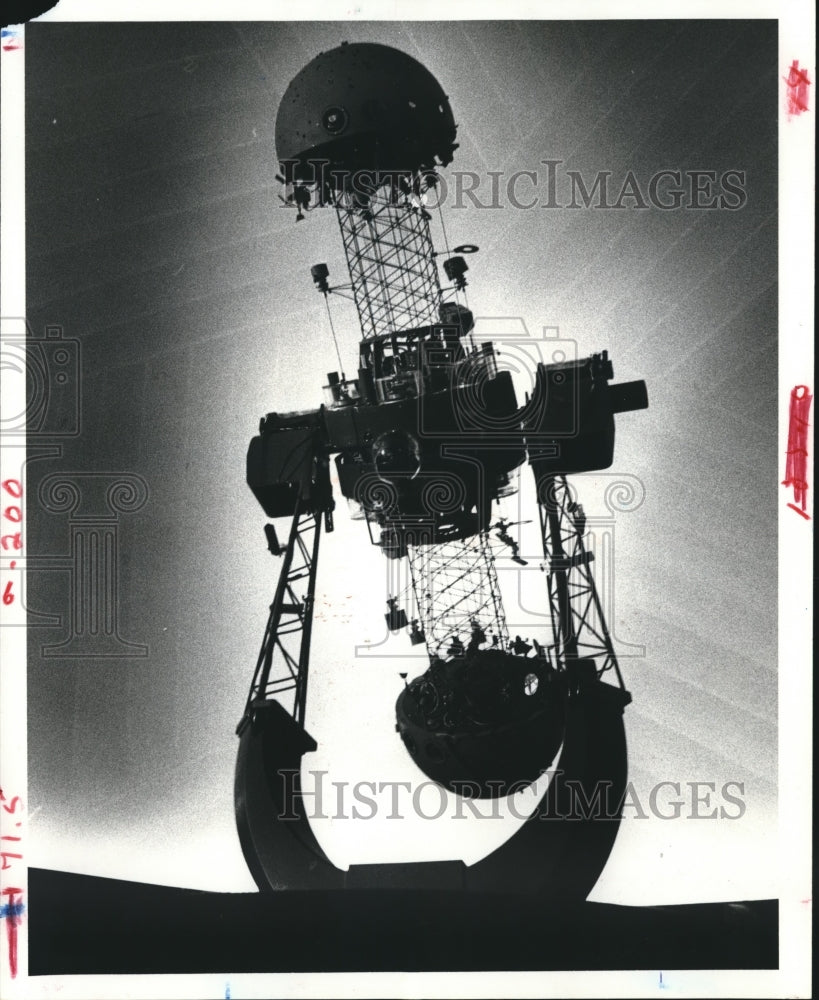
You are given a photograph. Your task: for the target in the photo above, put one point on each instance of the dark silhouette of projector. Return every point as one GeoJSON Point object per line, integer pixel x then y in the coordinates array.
{"type": "Point", "coordinates": [426, 435]}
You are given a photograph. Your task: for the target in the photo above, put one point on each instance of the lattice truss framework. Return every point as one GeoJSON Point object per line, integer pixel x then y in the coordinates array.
{"type": "Point", "coordinates": [578, 622]}
{"type": "Point", "coordinates": [391, 261]}
{"type": "Point", "coordinates": [284, 657]}
{"type": "Point", "coordinates": [455, 584]}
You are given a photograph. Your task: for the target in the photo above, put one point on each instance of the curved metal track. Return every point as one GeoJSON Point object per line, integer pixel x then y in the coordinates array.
{"type": "Point", "coordinates": [558, 853]}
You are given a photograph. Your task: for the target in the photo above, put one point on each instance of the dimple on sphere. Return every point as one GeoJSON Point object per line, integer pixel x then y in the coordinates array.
{"type": "Point", "coordinates": [363, 107]}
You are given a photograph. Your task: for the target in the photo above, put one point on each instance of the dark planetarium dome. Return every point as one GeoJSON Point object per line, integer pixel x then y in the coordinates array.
{"type": "Point", "coordinates": [363, 107]}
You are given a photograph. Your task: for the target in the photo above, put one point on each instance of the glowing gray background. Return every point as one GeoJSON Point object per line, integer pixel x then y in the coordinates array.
{"type": "Point", "coordinates": [156, 237]}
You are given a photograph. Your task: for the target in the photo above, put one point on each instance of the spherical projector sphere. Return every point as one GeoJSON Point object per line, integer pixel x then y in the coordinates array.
{"type": "Point", "coordinates": [363, 107]}
{"type": "Point", "coordinates": [485, 718]}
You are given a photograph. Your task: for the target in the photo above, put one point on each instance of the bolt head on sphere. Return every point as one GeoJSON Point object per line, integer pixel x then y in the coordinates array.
{"type": "Point", "coordinates": [363, 107]}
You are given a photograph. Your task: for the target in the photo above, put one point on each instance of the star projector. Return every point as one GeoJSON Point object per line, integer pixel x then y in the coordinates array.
{"type": "Point", "coordinates": [426, 435]}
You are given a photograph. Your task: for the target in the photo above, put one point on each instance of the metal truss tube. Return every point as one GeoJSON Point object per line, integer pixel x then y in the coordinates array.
{"type": "Point", "coordinates": [455, 586]}
{"type": "Point", "coordinates": [391, 261]}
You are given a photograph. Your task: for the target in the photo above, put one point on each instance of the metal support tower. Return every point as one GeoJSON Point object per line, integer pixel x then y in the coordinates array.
{"type": "Point", "coordinates": [284, 658]}
{"type": "Point", "coordinates": [578, 622]}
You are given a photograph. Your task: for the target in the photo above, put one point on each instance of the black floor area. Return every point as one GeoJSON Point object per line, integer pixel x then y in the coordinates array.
{"type": "Point", "coordinates": [81, 924]}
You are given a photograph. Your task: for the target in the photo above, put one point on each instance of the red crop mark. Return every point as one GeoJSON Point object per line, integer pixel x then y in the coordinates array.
{"type": "Point", "coordinates": [796, 467]}
{"type": "Point", "coordinates": [798, 83]}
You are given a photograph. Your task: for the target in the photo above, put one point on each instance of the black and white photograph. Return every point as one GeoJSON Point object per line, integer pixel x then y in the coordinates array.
{"type": "Point", "coordinates": [407, 501]}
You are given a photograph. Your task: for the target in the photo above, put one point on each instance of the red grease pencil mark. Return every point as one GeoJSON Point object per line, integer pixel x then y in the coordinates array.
{"type": "Point", "coordinates": [11, 40]}
{"type": "Point", "coordinates": [11, 912]}
{"type": "Point", "coordinates": [12, 512]}
{"type": "Point", "coordinates": [796, 467]}
{"type": "Point", "coordinates": [797, 94]}
{"type": "Point", "coordinates": [801, 513]}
